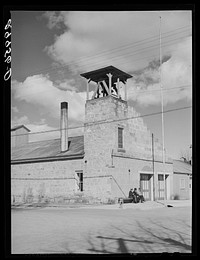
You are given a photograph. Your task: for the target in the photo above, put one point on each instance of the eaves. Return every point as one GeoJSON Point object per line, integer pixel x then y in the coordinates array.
{"type": "Point", "coordinates": [48, 159]}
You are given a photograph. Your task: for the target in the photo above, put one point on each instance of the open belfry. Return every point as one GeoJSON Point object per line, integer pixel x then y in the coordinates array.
{"type": "Point", "coordinates": [113, 155]}
{"type": "Point", "coordinates": [107, 80]}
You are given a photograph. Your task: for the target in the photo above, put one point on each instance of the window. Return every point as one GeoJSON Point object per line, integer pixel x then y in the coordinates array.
{"type": "Point", "coordinates": [80, 181]}
{"type": "Point", "coordinates": [182, 183]}
{"type": "Point", "coordinates": [120, 137]}
{"type": "Point", "coordinates": [160, 177]}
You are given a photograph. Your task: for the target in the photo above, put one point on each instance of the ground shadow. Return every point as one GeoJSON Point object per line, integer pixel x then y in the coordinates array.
{"type": "Point", "coordinates": [165, 240]}
{"type": "Point", "coordinates": [121, 246]}
{"type": "Point", "coordinates": [162, 238]}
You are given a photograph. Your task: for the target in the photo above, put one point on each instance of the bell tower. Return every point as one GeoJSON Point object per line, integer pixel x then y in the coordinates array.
{"type": "Point", "coordinates": [102, 112]}
{"type": "Point", "coordinates": [107, 82]}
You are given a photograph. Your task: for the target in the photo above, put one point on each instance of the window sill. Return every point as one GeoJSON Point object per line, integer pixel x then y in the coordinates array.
{"type": "Point", "coordinates": [121, 150]}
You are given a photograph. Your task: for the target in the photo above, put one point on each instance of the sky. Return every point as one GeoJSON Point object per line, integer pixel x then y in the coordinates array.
{"type": "Point", "coordinates": [50, 49]}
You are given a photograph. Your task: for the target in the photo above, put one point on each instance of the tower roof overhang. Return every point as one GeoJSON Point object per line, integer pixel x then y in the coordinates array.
{"type": "Point", "coordinates": [101, 74]}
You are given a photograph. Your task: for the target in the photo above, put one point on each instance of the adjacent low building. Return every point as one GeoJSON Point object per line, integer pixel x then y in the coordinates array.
{"type": "Point", "coordinates": [182, 180]}
{"type": "Point", "coordinates": [114, 154]}
{"type": "Point", "coordinates": [19, 136]}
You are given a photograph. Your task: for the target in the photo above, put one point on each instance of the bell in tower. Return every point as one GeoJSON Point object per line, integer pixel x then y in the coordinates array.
{"type": "Point", "coordinates": [107, 80]}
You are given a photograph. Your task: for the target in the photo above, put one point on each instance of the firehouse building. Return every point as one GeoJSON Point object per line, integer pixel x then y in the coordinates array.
{"type": "Point", "coordinates": [113, 155]}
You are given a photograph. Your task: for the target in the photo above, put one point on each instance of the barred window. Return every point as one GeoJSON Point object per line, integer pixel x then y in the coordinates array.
{"type": "Point", "coordinates": [80, 181]}
{"type": "Point", "coordinates": [120, 137]}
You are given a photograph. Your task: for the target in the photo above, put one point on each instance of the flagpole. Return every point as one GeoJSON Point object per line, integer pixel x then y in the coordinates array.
{"type": "Point", "coordinates": [162, 110]}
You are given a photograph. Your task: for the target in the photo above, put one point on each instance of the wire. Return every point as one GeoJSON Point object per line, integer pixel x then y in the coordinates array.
{"type": "Point", "coordinates": [104, 122]}
{"type": "Point", "coordinates": [133, 54]}
{"type": "Point", "coordinates": [115, 49]}
{"type": "Point", "coordinates": [121, 57]}
{"type": "Point", "coordinates": [118, 58]}
{"type": "Point", "coordinates": [166, 89]}
{"type": "Point", "coordinates": [111, 51]}
{"type": "Point", "coordinates": [22, 96]}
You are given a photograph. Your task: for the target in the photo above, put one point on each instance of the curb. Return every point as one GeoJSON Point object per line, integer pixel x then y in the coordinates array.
{"type": "Point", "coordinates": [139, 206]}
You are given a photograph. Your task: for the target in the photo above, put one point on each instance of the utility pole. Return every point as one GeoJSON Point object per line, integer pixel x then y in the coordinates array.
{"type": "Point", "coordinates": [162, 108]}
{"type": "Point", "coordinates": [191, 154]}
{"type": "Point", "coordinates": [154, 197]}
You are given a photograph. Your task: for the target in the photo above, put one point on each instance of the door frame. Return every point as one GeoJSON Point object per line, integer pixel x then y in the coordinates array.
{"type": "Point", "coordinates": [150, 182]}
{"type": "Point", "coordinates": [166, 185]}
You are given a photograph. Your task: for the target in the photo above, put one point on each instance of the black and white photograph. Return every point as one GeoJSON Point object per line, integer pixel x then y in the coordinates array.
{"type": "Point", "coordinates": [100, 131]}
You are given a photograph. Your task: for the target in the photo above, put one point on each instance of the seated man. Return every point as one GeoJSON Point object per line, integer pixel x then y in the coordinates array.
{"type": "Point", "coordinates": [136, 197]}
{"type": "Point", "coordinates": [130, 195]}
{"type": "Point", "coordinates": [140, 195]}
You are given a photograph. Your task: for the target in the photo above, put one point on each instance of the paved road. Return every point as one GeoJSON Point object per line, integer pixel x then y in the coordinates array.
{"type": "Point", "coordinates": [101, 231]}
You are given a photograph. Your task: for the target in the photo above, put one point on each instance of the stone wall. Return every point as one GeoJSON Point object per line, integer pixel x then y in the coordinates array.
{"type": "Point", "coordinates": [44, 180]}
{"type": "Point", "coordinates": [108, 172]}
{"type": "Point", "coordinates": [125, 174]}
{"type": "Point", "coordinates": [103, 157]}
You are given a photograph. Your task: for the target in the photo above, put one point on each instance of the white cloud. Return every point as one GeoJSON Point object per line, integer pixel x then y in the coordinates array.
{"type": "Point", "coordinates": [66, 85]}
{"type": "Point", "coordinates": [23, 120]}
{"type": "Point", "coordinates": [111, 35]}
{"type": "Point", "coordinates": [47, 132]}
{"type": "Point", "coordinates": [14, 109]}
{"type": "Point", "coordinates": [176, 73]}
{"type": "Point", "coordinates": [41, 91]}
{"type": "Point", "coordinates": [42, 131]}
{"type": "Point", "coordinates": [38, 130]}
{"type": "Point", "coordinates": [117, 39]}
{"type": "Point", "coordinates": [54, 19]}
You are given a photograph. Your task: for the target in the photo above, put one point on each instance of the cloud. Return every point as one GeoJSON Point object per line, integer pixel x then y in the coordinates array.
{"type": "Point", "coordinates": [23, 120]}
{"type": "Point", "coordinates": [42, 131]}
{"type": "Point", "coordinates": [14, 109]}
{"type": "Point", "coordinates": [40, 91]}
{"type": "Point", "coordinates": [176, 73]}
{"type": "Point", "coordinates": [129, 41]}
{"type": "Point", "coordinates": [54, 19]}
{"type": "Point", "coordinates": [66, 85]}
{"type": "Point", "coordinates": [95, 39]}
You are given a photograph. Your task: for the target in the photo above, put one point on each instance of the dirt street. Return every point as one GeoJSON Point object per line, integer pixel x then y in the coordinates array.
{"type": "Point", "coordinates": [100, 231]}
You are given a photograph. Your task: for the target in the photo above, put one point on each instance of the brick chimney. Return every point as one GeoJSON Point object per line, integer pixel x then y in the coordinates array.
{"type": "Point", "coordinates": [64, 126]}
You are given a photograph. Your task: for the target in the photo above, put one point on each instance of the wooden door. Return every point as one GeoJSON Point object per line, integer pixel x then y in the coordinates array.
{"type": "Point", "coordinates": [161, 187]}
{"type": "Point", "coordinates": [145, 186]}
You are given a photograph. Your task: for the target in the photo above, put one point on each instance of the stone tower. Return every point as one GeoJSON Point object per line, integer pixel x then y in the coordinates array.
{"type": "Point", "coordinates": [103, 125]}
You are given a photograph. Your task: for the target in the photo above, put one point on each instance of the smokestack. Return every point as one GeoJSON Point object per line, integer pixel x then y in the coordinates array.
{"type": "Point", "coordinates": [64, 126]}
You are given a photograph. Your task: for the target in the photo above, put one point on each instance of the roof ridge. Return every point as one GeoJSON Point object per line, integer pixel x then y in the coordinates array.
{"type": "Point", "coordinates": [19, 126]}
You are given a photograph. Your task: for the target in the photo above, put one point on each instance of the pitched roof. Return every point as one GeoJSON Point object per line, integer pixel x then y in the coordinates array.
{"type": "Point", "coordinates": [182, 167]}
{"type": "Point", "coordinates": [48, 150]}
{"type": "Point", "coordinates": [19, 126]}
{"type": "Point", "coordinates": [100, 74]}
